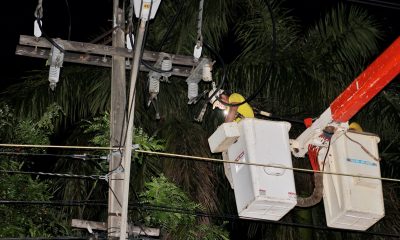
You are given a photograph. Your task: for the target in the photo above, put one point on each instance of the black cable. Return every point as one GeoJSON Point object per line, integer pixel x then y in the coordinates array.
{"type": "Point", "coordinates": [375, 4]}
{"type": "Point", "coordinates": [140, 57]}
{"type": "Point", "coordinates": [235, 217]}
{"type": "Point", "coordinates": [39, 21]}
{"type": "Point", "coordinates": [46, 238]}
{"type": "Point", "coordinates": [221, 61]}
{"type": "Point", "coordinates": [148, 65]}
{"type": "Point", "coordinates": [73, 156]}
{"type": "Point", "coordinates": [127, 108]}
{"type": "Point", "coordinates": [115, 195]}
{"type": "Point", "coordinates": [128, 111]}
{"type": "Point", "coordinates": [252, 96]}
{"type": "Point", "coordinates": [326, 155]}
{"type": "Point", "coordinates": [171, 25]}
{"type": "Point", "coordinates": [62, 203]}
{"type": "Point", "coordinates": [269, 69]}
{"type": "Point", "coordinates": [272, 116]}
{"type": "Point", "coordinates": [141, 214]}
{"type": "Point", "coordinates": [289, 224]}
{"type": "Point", "coordinates": [69, 19]}
{"type": "Point", "coordinates": [60, 175]}
{"type": "Point", "coordinates": [384, 2]}
{"type": "Point", "coordinates": [161, 208]}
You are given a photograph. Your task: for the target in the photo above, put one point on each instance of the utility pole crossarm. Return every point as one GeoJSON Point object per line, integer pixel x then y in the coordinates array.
{"type": "Point", "coordinates": [103, 50]}
{"type": "Point", "coordinates": [90, 59]}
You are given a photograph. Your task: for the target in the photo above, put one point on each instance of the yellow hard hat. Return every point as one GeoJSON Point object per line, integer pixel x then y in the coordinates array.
{"type": "Point", "coordinates": [355, 127]}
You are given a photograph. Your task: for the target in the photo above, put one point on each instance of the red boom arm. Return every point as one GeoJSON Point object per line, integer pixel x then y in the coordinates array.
{"type": "Point", "coordinates": [372, 80]}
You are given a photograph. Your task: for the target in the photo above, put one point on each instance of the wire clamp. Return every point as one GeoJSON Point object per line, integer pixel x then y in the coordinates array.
{"type": "Point", "coordinates": [119, 169]}
{"type": "Point", "coordinates": [136, 146]}
{"type": "Point", "coordinates": [80, 156]}
{"type": "Point", "coordinates": [197, 52]}
{"type": "Point", "coordinates": [104, 177]}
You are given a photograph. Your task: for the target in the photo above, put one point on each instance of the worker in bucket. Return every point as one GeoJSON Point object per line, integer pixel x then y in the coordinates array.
{"type": "Point", "coordinates": [354, 126]}
{"type": "Point", "coordinates": [232, 113]}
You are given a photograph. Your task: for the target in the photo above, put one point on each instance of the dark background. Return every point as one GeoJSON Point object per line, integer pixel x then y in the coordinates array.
{"type": "Point", "coordinates": [90, 18]}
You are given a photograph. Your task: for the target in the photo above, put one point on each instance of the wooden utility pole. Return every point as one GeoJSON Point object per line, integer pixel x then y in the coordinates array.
{"type": "Point", "coordinates": [118, 125]}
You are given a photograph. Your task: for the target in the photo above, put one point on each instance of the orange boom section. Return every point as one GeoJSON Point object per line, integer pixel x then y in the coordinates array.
{"type": "Point", "coordinates": [372, 80]}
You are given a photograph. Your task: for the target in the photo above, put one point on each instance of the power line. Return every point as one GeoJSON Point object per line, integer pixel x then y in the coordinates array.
{"type": "Point", "coordinates": [385, 2]}
{"type": "Point", "coordinates": [66, 203]}
{"type": "Point", "coordinates": [263, 165]}
{"type": "Point", "coordinates": [206, 159]}
{"type": "Point", "coordinates": [161, 208]}
{"type": "Point", "coordinates": [74, 156]}
{"type": "Point", "coordinates": [381, 4]}
{"type": "Point", "coordinates": [289, 224]}
{"type": "Point", "coordinates": [60, 175]}
{"type": "Point", "coordinates": [57, 146]}
{"type": "Point", "coordinates": [46, 238]}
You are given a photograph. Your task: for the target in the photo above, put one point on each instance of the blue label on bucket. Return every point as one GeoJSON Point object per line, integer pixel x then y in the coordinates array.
{"type": "Point", "coordinates": [359, 161]}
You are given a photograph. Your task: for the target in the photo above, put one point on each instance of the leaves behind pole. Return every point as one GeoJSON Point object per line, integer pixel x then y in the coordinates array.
{"type": "Point", "coordinates": [160, 192]}
{"type": "Point", "coordinates": [311, 69]}
{"type": "Point", "coordinates": [198, 178]}
{"type": "Point", "coordinates": [82, 92]}
{"type": "Point", "coordinates": [33, 221]}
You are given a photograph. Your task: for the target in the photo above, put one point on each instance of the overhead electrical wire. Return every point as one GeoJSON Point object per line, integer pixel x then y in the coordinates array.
{"type": "Point", "coordinates": [163, 208]}
{"type": "Point", "coordinates": [62, 203]}
{"type": "Point", "coordinates": [48, 238]}
{"type": "Point", "coordinates": [171, 25]}
{"type": "Point", "coordinates": [129, 105]}
{"type": "Point", "coordinates": [69, 19]}
{"type": "Point", "coordinates": [146, 64]}
{"type": "Point", "coordinates": [73, 156]}
{"type": "Point", "coordinates": [384, 2]}
{"type": "Point", "coordinates": [235, 217]}
{"type": "Point", "coordinates": [59, 175]}
{"type": "Point", "coordinates": [57, 146]}
{"type": "Point", "coordinates": [268, 73]}
{"type": "Point", "coordinates": [263, 165]}
{"type": "Point", "coordinates": [206, 159]}
{"type": "Point", "coordinates": [378, 4]}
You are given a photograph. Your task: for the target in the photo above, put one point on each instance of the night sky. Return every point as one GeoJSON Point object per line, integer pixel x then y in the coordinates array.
{"type": "Point", "coordinates": [90, 18]}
